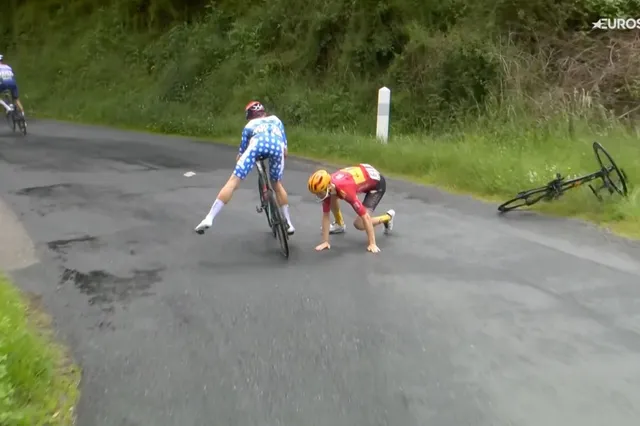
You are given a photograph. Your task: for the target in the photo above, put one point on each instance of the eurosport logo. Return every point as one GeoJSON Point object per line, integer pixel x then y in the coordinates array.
{"type": "Point", "coordinates": [617, 24]}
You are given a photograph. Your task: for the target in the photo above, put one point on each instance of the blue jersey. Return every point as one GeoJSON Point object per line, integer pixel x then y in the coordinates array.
{"type": "Point", "coordinates": [6, 74]}
{"type": "Point", "coordinates": [267, 128]}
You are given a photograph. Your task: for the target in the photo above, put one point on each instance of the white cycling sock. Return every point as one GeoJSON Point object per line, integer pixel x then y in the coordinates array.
{"type": "Point", "coordinates": [215, 209]}
{"type": "Point", "coordinates": [285, 212]}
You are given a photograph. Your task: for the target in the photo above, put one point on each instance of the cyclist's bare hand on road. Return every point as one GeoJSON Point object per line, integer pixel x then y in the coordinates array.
{"type": "Point", "coordinates": [373, 248]}
{"type": "Point", "coordinates": [323, 246]}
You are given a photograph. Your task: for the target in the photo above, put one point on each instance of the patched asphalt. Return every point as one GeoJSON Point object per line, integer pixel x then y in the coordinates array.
{"type": "Point", "coordinates": [464, 318]}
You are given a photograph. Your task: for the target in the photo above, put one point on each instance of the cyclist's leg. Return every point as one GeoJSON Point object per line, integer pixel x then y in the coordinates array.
{"type": "Point", "coordinates": [338, 226]}
{"type": "Point", "coordinates": [15, 97]}
{"type": "Point", "coordinates": [371, 201]}
{"type": "Point", "coordinates": [276, 172]}
{"type": "Point", "coordinates": [4, 88]}
{"type": "Point", "coordinates": [243, 166]}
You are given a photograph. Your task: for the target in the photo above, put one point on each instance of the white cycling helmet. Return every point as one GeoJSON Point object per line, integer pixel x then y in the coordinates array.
{"type": "Point", "coordinates": [1, 56]}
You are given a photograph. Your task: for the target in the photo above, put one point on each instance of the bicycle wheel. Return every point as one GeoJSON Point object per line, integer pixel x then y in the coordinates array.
{"type": "Point", "coordinates": [523, 199]}
{"type": "Point", "coordinates": [263, 189]}
{"type": "Point", "coordinates": [279, 228]}
{"type": "Point", "coordinates": [622, 187]}
{"type": "Point", "coordinates": [11, 118]}
{"type": "Point", "coordinates": [23, 126]}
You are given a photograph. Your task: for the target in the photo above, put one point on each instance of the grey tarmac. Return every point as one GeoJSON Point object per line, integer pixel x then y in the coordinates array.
{"type": "Point", "coordinates": [463, 318]}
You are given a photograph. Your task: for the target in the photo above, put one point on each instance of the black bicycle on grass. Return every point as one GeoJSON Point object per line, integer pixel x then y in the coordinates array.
{"type": "Point", "coordinates": [269, 204]}
{"type": "Point", "coordinates": [554, 189]}
{"type": "Point", "coordinates": [14, 117]}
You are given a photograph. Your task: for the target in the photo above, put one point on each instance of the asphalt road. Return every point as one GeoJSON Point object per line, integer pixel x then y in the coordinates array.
{"type": "Point", "coordinates": [464, 318]}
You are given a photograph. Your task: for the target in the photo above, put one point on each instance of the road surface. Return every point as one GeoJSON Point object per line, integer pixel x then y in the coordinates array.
{"type": "Point", "coordinates": [464, 318]}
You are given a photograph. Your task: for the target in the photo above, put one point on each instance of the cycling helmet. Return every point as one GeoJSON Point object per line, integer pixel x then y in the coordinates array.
{"type": "Point", "coordinates": [252, 109]}
{"type": "Point", "coordinates": [318, 184]}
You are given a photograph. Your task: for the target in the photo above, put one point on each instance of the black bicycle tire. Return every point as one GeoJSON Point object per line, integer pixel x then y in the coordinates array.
{"type": "Point", "coordinates": [275, 212]}
{"type": "Point", "coordinates": [597, 146]}
{"type": "Point", "coordinates": [264, 203]}
{"type": "Point", "coordinates": [505, 207]}
{"type": "Point", "coordinates": [278, 226]}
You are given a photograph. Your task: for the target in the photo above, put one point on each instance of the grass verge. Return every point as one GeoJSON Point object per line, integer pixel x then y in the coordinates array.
{"type": "Point", "coordinates": [38, 382]}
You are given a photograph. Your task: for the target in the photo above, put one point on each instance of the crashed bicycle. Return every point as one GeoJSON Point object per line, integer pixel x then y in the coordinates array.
{"type": "Point", "coordinates": [613, 179]}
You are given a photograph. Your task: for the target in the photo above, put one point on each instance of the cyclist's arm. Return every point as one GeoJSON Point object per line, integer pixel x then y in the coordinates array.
{"type": "Point", "coordinates": [326, 208]}
{"type": "Point", "coordinates": [244, 141]}
{"type": "Point", "coordinates": [355, 203]}
{"type": "Point", "coordinates": [284, 134]}
{"type": "Point", "coordinates": [284, 137]}
{"type": "Point", "coordinates": [368, 227]}
{"type": "Point", "coordinates": [362, 211]}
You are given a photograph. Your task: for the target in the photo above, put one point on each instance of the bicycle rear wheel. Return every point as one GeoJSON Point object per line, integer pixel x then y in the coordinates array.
{"type": "Point", "coordinates": [279, 227]}
{"type": "Point", "coordinates": [263, 190]}
{"type": "Point", "coordinates": [22, 125]}
{"type": "Point", "coordinates": [621, 188]}
{"type": "Point", "coordinates": [524, 199]}
{"type": "Point", "coordinates": [11, 121]}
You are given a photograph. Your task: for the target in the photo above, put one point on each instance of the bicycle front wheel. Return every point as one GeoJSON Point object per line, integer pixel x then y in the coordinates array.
{"type": "Point", "coordinates": [23, 126]}
{"type": "Point", "coordinates": [524, 199]}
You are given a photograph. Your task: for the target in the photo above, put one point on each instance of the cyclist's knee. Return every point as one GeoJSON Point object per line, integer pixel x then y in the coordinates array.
{"type": "Point", "coordinates": [358, 223]}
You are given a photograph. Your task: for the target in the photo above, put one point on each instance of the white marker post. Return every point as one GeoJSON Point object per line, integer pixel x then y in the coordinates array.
{"type": "Point", "coordinates": [384, 109]}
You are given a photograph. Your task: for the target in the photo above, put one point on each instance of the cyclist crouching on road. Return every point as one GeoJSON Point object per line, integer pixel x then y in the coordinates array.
{"type": "Point", "coordinates": [262, 137]}
{"type": "Point", "coordinates": [346, 184]}
{"type": "Point", "coordinates": [8, 82]}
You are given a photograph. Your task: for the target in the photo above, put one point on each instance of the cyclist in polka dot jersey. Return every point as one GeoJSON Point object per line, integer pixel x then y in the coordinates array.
{"type": "Point", "coordinates": [262, 137]}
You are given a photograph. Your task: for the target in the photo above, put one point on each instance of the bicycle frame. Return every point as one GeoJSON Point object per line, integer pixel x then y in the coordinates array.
{"type": "Point", "coordinates": [579, 181]}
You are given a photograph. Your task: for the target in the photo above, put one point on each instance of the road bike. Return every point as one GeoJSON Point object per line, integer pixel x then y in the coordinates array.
{"type": "Point", "coordinates": [269, 205]}
{"type": "Point", "coordinates": [14, 117]}
{"type": "Point", "coordinates": [558, 186]}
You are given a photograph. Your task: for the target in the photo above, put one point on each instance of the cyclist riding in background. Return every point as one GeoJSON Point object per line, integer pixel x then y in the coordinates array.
{"type": "Point", "coordinates": [8, 82]}
{"type": "Point", "coordinates": [346, 184]}
{"type": "Point", "coordinates": [262, 137]}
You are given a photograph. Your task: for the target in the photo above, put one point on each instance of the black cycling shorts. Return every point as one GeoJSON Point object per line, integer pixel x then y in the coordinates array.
{"type": "Point", "coordinates": [373, 197]}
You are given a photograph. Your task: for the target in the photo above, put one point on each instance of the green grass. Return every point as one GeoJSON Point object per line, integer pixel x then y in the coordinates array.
{"type": "Point", "coordinates": [38, 383]}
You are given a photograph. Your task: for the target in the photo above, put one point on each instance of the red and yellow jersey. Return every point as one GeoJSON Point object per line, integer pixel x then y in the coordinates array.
{"type": "Point", "coordinates": [350, 182]}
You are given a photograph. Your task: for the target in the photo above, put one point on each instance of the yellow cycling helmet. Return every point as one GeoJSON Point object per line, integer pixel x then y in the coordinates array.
{"type": "Point", "coordinates": [319, 183]}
